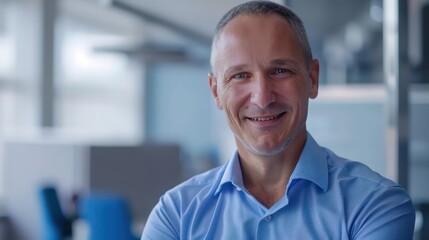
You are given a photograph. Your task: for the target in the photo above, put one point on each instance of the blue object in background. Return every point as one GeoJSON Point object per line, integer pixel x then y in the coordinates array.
{"type": "Point", "coordinates": [108, 217]}
{"type": "Point", "coordinates": [56, 225]}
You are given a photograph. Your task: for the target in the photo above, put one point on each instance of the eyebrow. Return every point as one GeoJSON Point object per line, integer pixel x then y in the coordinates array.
{"type": "Point", "coordinates": [275, 62]}
{"type": "Point", "coordinates": [234, 69]}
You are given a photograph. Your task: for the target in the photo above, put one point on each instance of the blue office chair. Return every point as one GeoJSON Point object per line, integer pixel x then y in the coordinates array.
{"type": "Point", "coordinates": [56, 226]}
{"type": "Point", "coordinates": [108, 217]}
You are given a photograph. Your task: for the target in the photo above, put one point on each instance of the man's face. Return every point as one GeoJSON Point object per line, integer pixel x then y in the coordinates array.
{"type": "Point", "coordinates": [262, 82]}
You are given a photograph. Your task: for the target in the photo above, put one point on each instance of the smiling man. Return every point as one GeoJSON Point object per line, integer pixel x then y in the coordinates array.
{"type": "Point", "coordinates": [280, 184]}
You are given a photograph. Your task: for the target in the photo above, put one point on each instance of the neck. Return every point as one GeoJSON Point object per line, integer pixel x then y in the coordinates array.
{"type": "Point", "coordinates": [266, 177]}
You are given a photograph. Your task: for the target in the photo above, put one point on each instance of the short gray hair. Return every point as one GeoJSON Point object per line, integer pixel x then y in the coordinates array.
{"type": "Point", "coordinates": [266, 8]}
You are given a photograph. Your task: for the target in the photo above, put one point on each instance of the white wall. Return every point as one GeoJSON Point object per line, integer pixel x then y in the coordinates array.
{"type": "Point", "coordinates": [179, 109]}
{"type": "Point", "coordinates": [30, 165]}
{"type": "Point", "coordinates": [351, 122]}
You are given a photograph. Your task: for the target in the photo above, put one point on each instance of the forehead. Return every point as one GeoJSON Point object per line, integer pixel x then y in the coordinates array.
{"type": "Point", "coordinates": [246, 24]}
{"type": "Point", "coordinates": [268, 35]}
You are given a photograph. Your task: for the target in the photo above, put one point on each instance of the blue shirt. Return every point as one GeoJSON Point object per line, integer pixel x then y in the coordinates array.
{"type": "Point", "coordinates": [327, 197]}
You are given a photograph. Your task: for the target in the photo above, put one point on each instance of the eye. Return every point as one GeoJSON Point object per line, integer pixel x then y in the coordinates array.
{"type": "Point", "coordinates": [281, 70]}
{"type": "Point", "coordinates": [281, 73]}
{"type": "Point", "coordinates": [240, 76]}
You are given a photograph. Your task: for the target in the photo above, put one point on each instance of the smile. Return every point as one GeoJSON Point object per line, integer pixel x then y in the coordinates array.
{"type": "Point", "coordinates": [260, 119]}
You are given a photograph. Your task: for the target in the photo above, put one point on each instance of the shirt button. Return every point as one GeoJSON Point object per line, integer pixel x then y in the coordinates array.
{"type": "Point", "coordinates": [268, 218]}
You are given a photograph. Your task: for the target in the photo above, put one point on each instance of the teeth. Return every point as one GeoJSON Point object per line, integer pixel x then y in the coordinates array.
{"type": "Point", "coordinates": [265, 118]}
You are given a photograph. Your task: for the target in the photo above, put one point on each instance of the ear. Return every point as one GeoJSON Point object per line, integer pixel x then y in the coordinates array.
{"type": "Point", "coordinates": [313, 87]}
{"type": "Point", "coordinates": [213, 88]}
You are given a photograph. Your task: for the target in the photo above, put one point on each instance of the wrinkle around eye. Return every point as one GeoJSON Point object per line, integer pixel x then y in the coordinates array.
{"type": "Point", "coordinates": [238, 77]}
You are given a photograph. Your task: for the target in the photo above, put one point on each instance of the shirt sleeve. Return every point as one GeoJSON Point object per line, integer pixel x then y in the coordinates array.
{"type": "Point", "coordinates": [389, 214]}
{"type": "Point", "coordinates": [163, 221]}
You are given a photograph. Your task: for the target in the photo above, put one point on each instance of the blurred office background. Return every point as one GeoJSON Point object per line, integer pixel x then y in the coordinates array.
{"type": "Point", "coordinates": [110, 100]}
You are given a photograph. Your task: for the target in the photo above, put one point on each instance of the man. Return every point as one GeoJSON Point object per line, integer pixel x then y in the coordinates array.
{"type": "Point", "coordinates": [280, 184]}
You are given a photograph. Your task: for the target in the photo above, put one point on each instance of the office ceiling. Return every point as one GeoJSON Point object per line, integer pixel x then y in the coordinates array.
{"type": "Point", "coordinates": [321, 18]}
{"type": "Point", "coordinates": [199, 15]}
{"type": "Point", "coordinates": [191, 23]}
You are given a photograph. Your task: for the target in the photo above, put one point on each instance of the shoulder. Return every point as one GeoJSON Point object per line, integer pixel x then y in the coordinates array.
{"type": "Point", "coordinates": [375, 205]}
{"type": "Point", "coordinates": [353, 171]}
{"type": "Point", "coordinates": [199, 185]}
{"type": "Point", "coordinates": [165, 219]}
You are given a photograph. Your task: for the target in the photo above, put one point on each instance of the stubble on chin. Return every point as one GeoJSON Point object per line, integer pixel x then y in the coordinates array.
{"type": "Point", "coordinates": [272, 152]}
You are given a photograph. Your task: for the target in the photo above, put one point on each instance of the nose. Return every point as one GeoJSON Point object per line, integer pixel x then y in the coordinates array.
{"type": "Point", "coordinates": [262, 92]}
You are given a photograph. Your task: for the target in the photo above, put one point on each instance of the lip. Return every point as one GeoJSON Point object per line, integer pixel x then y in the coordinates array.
{"type": "Point", "coordinates": [266, 121]}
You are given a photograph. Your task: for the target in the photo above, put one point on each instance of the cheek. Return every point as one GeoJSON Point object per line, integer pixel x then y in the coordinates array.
{"type": "Point", "coordinates": [233, 96]}
{"type": "Point", "coordinates": [297, 90]}
{"type": "Point", "coordinates": [233, 99]}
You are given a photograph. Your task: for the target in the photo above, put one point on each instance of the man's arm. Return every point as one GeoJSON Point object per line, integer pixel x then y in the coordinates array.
{"type": "Point", "coordinates": [388, 215]}
{"type": "Point", "coordinates": [163, 221]}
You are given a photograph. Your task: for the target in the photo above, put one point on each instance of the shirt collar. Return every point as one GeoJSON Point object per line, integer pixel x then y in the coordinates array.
{"type": "Point", "coordinates": [232, 174]}
{"type": "Point", "coordinates": [311, 166]}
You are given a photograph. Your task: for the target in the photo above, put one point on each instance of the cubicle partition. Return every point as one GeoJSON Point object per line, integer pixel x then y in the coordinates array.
{"type": "Point", "coordinates": [139, 173]}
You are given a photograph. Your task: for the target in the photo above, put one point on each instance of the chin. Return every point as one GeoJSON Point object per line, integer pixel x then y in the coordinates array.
{"type": "Point", "coordinates": [268, 151]}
